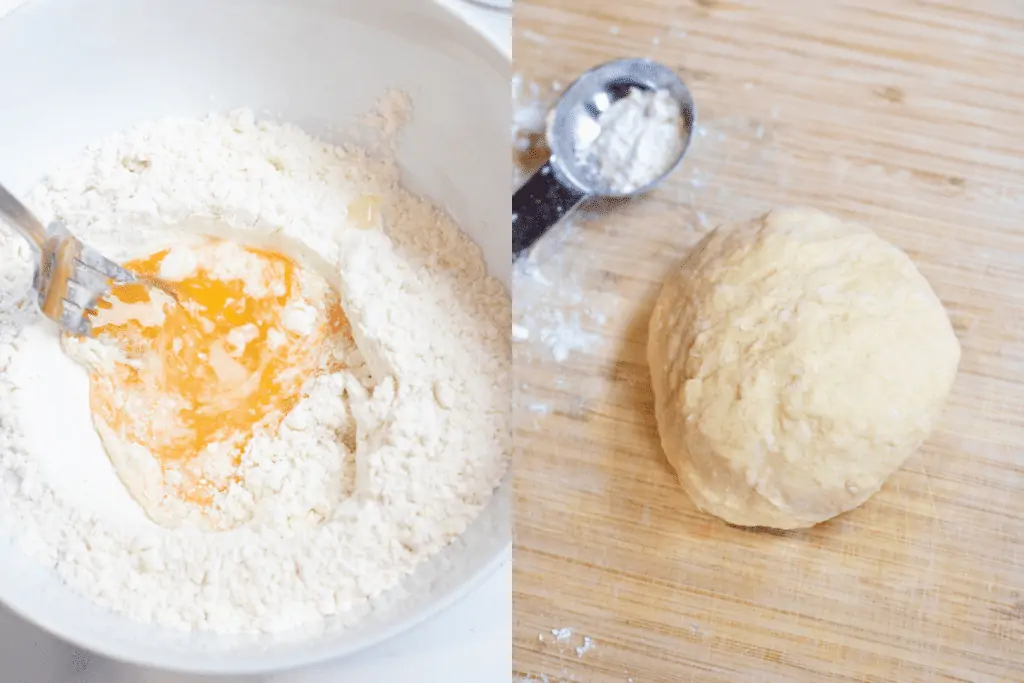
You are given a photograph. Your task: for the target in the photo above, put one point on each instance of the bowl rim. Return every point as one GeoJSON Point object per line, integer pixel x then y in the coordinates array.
{"type": "Point", "coordinates": [96, 645]}
{"type": "Point", "coordinates": [482, 22]}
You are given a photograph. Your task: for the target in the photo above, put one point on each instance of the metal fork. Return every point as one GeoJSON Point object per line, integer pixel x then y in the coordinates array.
{"type": "Point", "coordinates": [70, 277]}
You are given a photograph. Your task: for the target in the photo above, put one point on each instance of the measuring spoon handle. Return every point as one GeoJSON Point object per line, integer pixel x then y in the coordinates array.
{"type": "Point", "coordinates": [542, 201]}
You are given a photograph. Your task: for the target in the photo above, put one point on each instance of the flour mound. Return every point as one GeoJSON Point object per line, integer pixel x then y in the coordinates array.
{"type": "Point", "coordinates": [336, 523]}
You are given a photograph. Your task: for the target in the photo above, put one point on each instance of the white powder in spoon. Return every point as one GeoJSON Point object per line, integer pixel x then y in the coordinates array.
{"type": "Point", "coordinates": [641, 138]}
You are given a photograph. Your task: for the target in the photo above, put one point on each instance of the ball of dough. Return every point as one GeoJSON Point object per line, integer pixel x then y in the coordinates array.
{"type": "Point", "coordinates": [797, 361]}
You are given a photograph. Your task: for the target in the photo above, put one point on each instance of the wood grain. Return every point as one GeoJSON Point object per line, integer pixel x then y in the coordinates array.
{"type": "Point", "coordinates": [906, 115]}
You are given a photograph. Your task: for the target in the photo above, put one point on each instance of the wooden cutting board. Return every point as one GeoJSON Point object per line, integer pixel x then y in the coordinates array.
{"type": "Point", "coordinates": [906, 115]}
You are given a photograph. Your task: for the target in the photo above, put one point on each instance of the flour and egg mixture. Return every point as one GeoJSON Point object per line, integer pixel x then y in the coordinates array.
{"type": "Point", "coordinates": [316, 403]}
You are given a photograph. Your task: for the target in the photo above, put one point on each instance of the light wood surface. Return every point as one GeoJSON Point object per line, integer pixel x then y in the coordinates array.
{"type": "Point", "coordinates": [906, 115]}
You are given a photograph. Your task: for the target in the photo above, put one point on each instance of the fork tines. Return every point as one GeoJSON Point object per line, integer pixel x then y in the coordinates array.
{"type": "Point", "coordinates": [91, 258]}
{"type": "Point", "coordinates": [90, 280]}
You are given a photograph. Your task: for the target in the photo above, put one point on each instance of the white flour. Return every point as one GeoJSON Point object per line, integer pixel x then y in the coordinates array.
{"type": "Point", "coordinates": [336, 526]}
{"type": "Point", "coordinates": [640, 138]}
{"type": "Point", "coordinates": [548, 306]}
{"type": "Point", "coordinates": [561, 642]}
{"type": "Point", "coordinates": [530, 107]}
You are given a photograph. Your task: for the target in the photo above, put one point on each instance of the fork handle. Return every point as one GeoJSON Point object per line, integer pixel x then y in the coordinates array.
{"type": "Point", "coordinates": [15, 213]}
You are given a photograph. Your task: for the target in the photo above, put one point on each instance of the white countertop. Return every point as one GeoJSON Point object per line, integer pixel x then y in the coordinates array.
{"type": "Point", "coordinates": [469, 643]}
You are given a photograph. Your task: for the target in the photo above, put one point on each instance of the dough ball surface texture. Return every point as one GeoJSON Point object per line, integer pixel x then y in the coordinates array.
{"type": "Point", "coordinates": [797, 361]}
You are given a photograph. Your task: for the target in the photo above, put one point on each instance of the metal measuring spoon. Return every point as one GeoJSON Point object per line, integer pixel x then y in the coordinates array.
{"type": "Point", "coordinates": [564, 182]}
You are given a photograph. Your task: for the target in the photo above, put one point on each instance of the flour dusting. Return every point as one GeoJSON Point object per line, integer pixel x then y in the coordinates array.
{"type": "Point", "coordinates": [548, 307]}
{"type": "Point", "coordinates": [530, 106]}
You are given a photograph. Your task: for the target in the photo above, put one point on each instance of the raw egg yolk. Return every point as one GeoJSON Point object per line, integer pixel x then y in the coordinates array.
{"type": "Point", "coordinates": [227, 361]}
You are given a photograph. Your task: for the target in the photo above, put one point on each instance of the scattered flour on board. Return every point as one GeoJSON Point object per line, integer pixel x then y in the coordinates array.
{"type": "Point", "coordinates": [561, 634]}
{"type": "Point", "coordinates": [529, 111]}
{"type": "Point", "coordinates": [564, 639]}
{"type": "Point", "coordinates": [563, 333]}
{"type": "Point", "coordinates": [428, 399]}
{"type": "Point", "coordinates": [548, 306]}
{"type": "Point", "coordinates": [564, 642]}
{"type": "Point", "coordinates": [587, 646]}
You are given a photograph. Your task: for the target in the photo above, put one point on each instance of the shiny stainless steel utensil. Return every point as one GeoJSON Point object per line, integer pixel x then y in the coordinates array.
{"type": "Point", "coordinates": [563, 182]}
{"type": "Point", "coordinates": [70, 277]}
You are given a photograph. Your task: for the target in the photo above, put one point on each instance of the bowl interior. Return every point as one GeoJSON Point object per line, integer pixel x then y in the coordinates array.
{"type": "Point", "coordinates": [81, 69]}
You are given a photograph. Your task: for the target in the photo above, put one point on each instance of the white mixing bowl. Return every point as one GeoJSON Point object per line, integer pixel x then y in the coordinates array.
{"type": "Point", "coordinates": [75, 70]}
